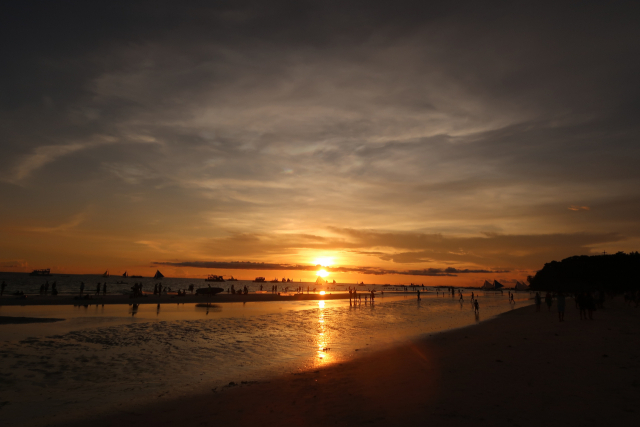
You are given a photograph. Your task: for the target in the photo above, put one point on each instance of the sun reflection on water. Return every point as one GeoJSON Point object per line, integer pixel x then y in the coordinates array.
{"type": "Point", "coordinates": [322, 339]}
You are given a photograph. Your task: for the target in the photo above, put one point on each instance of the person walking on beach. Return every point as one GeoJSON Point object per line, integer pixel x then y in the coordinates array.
{"type": "Point", "coordinates": [580, 302]}
{"type": "Point", "coordinates": [418, 294]}
{"type": "Point", "coordinates": [590, 304]}
{"type": "Point", "coordinates": [104, 288]}
{"type": "Point", "coordinates": [81, 288]}
{"type": "Point", "coordinates": [538, 300]}
{"type": "Point", "coordinates": [476, 307]}
{"type": "Point", "coordinates": [560, 301]}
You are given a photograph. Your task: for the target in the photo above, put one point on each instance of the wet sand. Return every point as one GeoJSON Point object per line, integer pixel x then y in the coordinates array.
{"type": "Point", "coordinates": [154, 299]}
{"type": "Point", "coordinates": [520, 369]}
{"type": "Point", "coordinates": [15, 320]}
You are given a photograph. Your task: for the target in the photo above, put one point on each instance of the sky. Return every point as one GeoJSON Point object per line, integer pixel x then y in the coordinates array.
{"type": "Point", "coordinates": [443, 143]}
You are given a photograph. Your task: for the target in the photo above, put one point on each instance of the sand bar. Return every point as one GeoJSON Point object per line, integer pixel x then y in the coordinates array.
{"type": "Point", "coordinates": [163, 299]}
{"type": "Point", "coordinates": [520, 369]}
{"type": "Point", "coordinates": [15, 320]}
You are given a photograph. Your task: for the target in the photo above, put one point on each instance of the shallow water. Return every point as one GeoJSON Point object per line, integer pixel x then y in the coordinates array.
{"type": "Point", "coordinates": [114, 355]}
{"type": "Point", "coordinates": [70, 284]}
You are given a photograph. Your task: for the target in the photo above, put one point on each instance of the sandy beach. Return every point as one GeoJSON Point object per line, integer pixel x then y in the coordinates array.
{"type": "Point", "coordinates": [522, 368]}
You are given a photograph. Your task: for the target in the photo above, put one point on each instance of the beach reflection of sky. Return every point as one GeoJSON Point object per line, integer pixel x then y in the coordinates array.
{"type": "Point", "coordinates": [184, 348]}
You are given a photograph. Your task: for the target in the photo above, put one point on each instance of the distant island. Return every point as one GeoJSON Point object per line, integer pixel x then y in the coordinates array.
{"type": "Point", "coordinates": [611, 273]}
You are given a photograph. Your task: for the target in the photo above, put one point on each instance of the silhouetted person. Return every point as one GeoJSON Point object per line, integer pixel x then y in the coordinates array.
{"type": "Point", "coordinates": [548, 300]}
{"type": "Point", "coordinates": [98, 289]}
{"type": "Point", "coordinates": [418, 295]}
{"type": "Point", "coordinates": [580, 301]}
{"type": "Point", "coordinates": [590, 304]}
{"type": "Point", "coordinates": [560, 301]}
{"type": "Point", "coordinates": [81, 288]}
{"type": "Point", "coordinates": [104, 288]}
{"type": "Point", "coordinates": [476, 307]}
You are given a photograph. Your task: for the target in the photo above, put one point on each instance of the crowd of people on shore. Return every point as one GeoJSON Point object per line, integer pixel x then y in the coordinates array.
{"type": "Point", "coordinates": [44, 288]}
{"type": "Point", "coordinates": [586, 302]}
{"type": "Point", "coordinates": [355, 298]}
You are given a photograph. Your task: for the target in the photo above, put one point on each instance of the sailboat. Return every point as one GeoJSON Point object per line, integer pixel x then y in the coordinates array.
{"type": "Point", "coordinates": [125, 274]}
{"type": "Point", "coordinates": [106, 274]}
{"type": "Point", "coordinates": [487, 286]}
{"type": "Point", "coordinates": [158, 275]}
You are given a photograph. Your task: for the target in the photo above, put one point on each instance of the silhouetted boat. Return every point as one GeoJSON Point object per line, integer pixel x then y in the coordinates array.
{"type": "Point", "coordinates": [106, 274]}
{"type": "Point", "coordinates": [274, 281]}
{"type": "Point", "coordinates": [158, 275]}
{"type": "Point", "coordinates": [208, 291]}
{"type": "Point", "coordinates": [520, 286]}
{"type": "Point", "coordinates": [214, 278]}
{"type": "Point", "coordinates": [232, 279]}
{"type": "Point", "coordinates": [260, 279]}
{"type": "Point", "coordinates": [43, 272]}
{"type": "Point", "coordinates": [495, 286]}
{"type": "Point", "coordinates": [125, 274]}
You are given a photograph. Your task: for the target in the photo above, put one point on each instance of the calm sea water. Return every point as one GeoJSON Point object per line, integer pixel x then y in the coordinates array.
{"type": "Point", "coordinates": [70, 284]}
{"type": "Point", "coordinates": [121, 354]}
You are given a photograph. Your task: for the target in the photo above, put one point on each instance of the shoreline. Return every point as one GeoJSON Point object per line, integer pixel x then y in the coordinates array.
{"type": "Point", "coordinates": [519, 368]}
{"type": "Point", "coordinates": [35, 300]}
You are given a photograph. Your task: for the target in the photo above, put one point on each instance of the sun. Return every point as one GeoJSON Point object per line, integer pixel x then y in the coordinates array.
{"type": "Point", "coordinates": [324, 261]}
{"type": "Point", "coordinates": [322, 273]}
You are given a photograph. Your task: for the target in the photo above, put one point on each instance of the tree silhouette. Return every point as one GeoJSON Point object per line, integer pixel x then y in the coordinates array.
{"type": "Point", "coordinates": [612, 273]}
